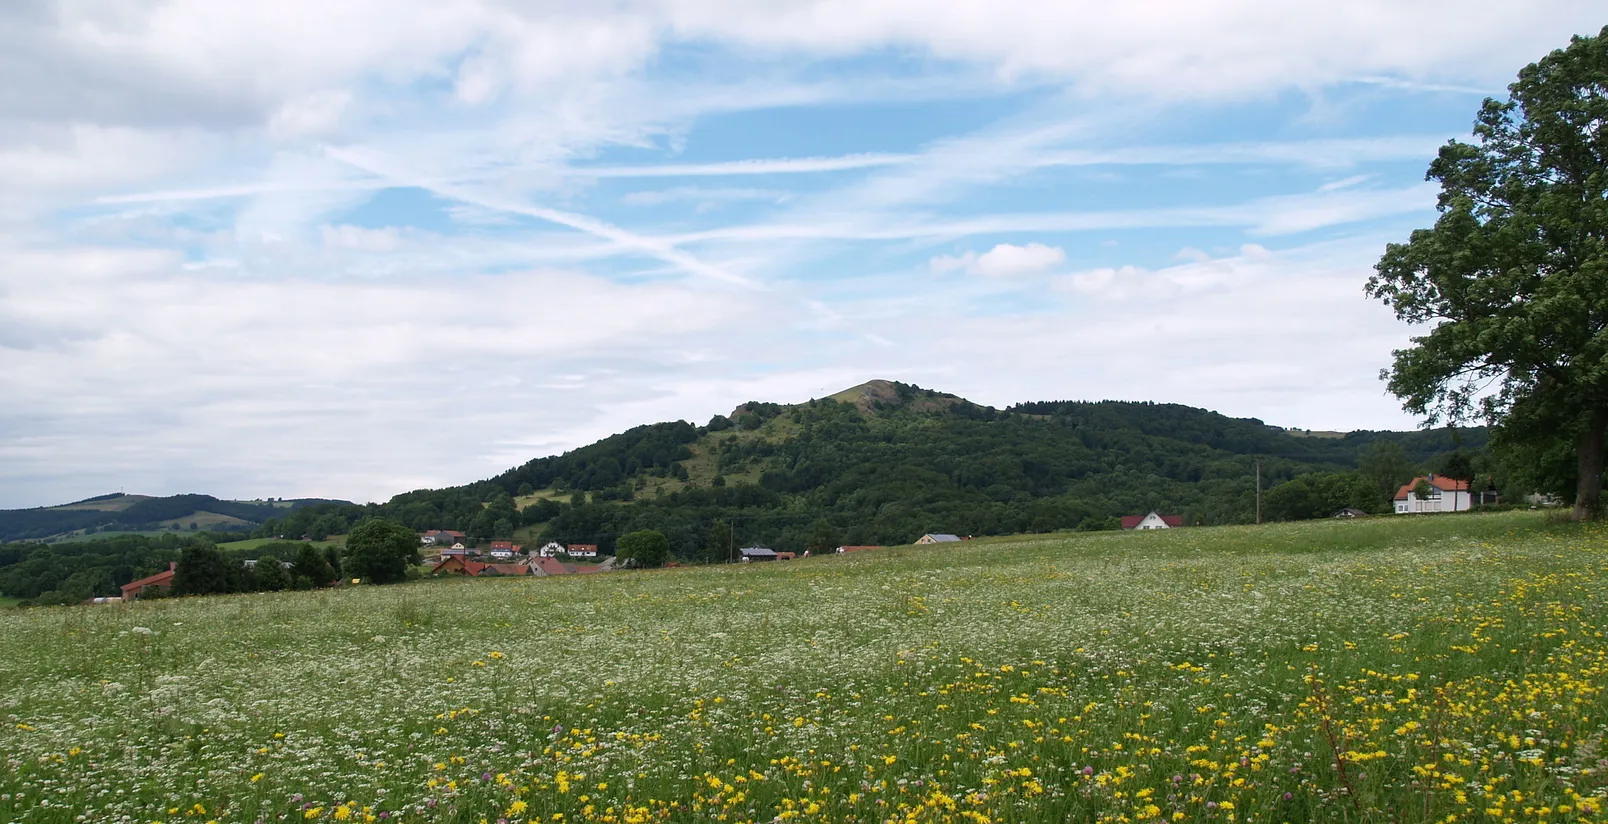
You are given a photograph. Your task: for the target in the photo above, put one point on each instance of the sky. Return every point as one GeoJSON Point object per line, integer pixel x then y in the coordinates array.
{"type": "Point", "coordinates": [350, 248]}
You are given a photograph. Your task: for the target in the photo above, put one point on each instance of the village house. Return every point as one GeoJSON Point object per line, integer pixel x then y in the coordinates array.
{"type": "Point", "coordinates": [937, 538]}
{"type": "Point", "coordinates": [582, 551]}
{"type": "Point", "coordinates": [503, 550]}
{"type": "Point", "coordinates": [546, 565]}
{"type": "Point", "coordinates": [552, 549]}
{"type": "Point", "coordinates": [475, 569]}
{"type": "Point", "coordinates": [1350, 512]}
{"type": "Point", "coordinates": [160, 581]}
{"type": "Point", "coordinates": [460, 550]}
{"type": "Point", "coordinates": [1444, 495]}
{"type": "Point", "coordinates": [1152, 521]}
{"type": "Point", "coordinates": [750, 554]}
{"type": "Point", "coordinates": [441, 536]}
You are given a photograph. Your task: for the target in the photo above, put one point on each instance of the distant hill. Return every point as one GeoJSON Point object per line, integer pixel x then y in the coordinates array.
{"type": "Point", "coordinates": [880, 463]}
{"type": "Point", "coordinates": [117, 512]}
{"type": "Point", "coordinates": [885, 461]}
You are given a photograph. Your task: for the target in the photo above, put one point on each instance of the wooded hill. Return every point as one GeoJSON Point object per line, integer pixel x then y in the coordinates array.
{"type": "Point", "coordinates": [885, 462]}
{"type": "Point", "coordinates": [881, 463]}
{"type": "Point", "coordinates": [141, 513]}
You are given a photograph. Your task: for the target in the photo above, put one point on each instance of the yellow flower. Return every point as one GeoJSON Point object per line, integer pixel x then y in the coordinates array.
{"type": "Point", "coordinates": [516, 808]}
{"type": "Point", "coordinates": [256, 778]}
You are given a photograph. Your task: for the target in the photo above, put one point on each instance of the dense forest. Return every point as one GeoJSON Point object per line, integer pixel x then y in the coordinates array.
{"type": "Point", "coordinates": [898, 461]}
{"type": "Point", "coordinates": [887, 462]}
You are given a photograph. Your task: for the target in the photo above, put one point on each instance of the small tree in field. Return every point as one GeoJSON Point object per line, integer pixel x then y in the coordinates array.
{"type": "Point", "coordinates": [312, 567]}
{"type": "Point", "coordinates": [648, 547]}
{"type": "Point", "coordinates": [380, 551]}
{"type": "Point", "coordinates": [1514, 274]}
{"type": "Point", "coordinates": [202, 570]}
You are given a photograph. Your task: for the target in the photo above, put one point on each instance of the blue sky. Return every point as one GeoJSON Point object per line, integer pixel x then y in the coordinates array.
{"type": "Point", "coordinates": [354, 248]}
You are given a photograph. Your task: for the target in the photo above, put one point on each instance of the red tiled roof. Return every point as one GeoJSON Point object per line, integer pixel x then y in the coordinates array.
{"type": "Point", "coordinates": [551, 566]}
{"type": "Point", "coordinates": [857, 548]}
{"type": "Point", "coordinates": [1443, 484]}
{"type": "Point", "coordinates": [503, 569]}
{"type": "Point", "coordinates": [575, 549]}
{"type": "Point", "coordinates": [163, 577]}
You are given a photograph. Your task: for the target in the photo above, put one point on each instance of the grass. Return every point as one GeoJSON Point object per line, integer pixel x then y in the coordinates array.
{"type": "Point", "coordinates": [255, 543]}
{"type": "Point", "coordinates": [117, 504]}
{"type": "Point", "coordinates": [1412, 669]}
{"type": "Point", "coordinates": [7, 601]}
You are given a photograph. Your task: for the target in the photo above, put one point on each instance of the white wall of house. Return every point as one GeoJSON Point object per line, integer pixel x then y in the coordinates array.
{"type": "Point", "coordinates": [1152, 521]}
{"type": "Point", "coordinates": [1439, 501]}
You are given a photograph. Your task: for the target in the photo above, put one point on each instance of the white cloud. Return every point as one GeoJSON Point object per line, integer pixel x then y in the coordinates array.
{"type": "Point", "coordinates": [143, 374]}
{"type": "Point", "coordinates": [1004, 260]}
{"type": "Point", "coordinates": [192, 304]}
{"type": "Point", "coordinates": [1170, 49]}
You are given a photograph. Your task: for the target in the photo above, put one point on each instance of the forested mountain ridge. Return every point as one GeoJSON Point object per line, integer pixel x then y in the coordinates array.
{"type": "Point", "coordinates": [885, 461]}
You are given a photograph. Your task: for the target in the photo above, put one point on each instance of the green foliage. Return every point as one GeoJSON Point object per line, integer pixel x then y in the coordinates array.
{"type": "Point", "coordinates": [1321, 495]}
{"type": "Point", "coordinates": [1386, 465]}
{"type": "Point", "coordinates": [1514, 274]}
{"type": "Point", "coordinates": [380, 552]}
{"type": "Point", "coordinates": [648, 548]}
{"type": "Point", "coordinates": [823, 538]}
{"type": "Point", "coordinates": [271, 574]}
{"type": "Point", "coordinates": [311, 568]}
{"type": "Point", "coordinates": [203, 570]}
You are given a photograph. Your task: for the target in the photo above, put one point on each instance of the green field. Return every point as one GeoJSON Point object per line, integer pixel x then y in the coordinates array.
{"type": "Point", "coordinates": [1445, 668]}
{"type": "Point", "coordinates": [254, 543]}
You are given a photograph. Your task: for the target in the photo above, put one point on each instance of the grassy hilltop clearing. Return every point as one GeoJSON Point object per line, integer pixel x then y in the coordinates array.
{"type": "Point", "coordinates": [1442, 668]}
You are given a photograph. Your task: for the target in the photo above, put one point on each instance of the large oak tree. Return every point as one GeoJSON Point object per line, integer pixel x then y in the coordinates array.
{"type": "Point", "coordinates": [1514, 274]}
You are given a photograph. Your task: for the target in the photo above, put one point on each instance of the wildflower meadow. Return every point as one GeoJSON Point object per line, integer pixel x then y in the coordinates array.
{"type": "Point", "coordinates": [1415, 669]}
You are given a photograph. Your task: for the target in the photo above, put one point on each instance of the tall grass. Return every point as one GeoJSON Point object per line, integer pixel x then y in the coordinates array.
{"type": "Point", "coordinates": [1412, 669]}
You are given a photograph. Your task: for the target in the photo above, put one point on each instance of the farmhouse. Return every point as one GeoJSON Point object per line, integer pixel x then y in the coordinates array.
{"type": "Point", "coordinates": [552, 549]}
{"type": "Point", "coordinates": [582, 550]}
{"type": "Point", "coordinates": [504, 549]}
{"type": "Point", "coordinates": [1350, 512]}
{"type": "Point", "coordinates": [1443, 495]}
{"type": "Point", "coordinates": [441, 536]}
{"type": "Point", "coordinates": [546, 565]}
{"type": "Point", "coordinates": [1152, 521]}
{"type": "Point", "coordinates": [937, 538]}
{"type": "Point", "coordinates": [751, 554]}
{"type": "Point", "coordinates": [160, 581]}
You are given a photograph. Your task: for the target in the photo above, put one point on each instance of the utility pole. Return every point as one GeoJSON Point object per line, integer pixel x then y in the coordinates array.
{"type": "Point", "coordinates": [1258, 490]}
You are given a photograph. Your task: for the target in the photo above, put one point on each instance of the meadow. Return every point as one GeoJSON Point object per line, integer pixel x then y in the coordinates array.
{"type": "Point", "coordinates": [1446, 668]}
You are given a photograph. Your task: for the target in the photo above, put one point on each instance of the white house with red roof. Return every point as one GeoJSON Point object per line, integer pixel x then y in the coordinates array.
{"type": "Point", "coordinates": [1445, 495]}
{"type": "Point", "coordinates": [504, 549]}
{"type": "Point", "coordinates": [582, 551]}
{"type": "Point", "coordinates": [1153, 520]}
